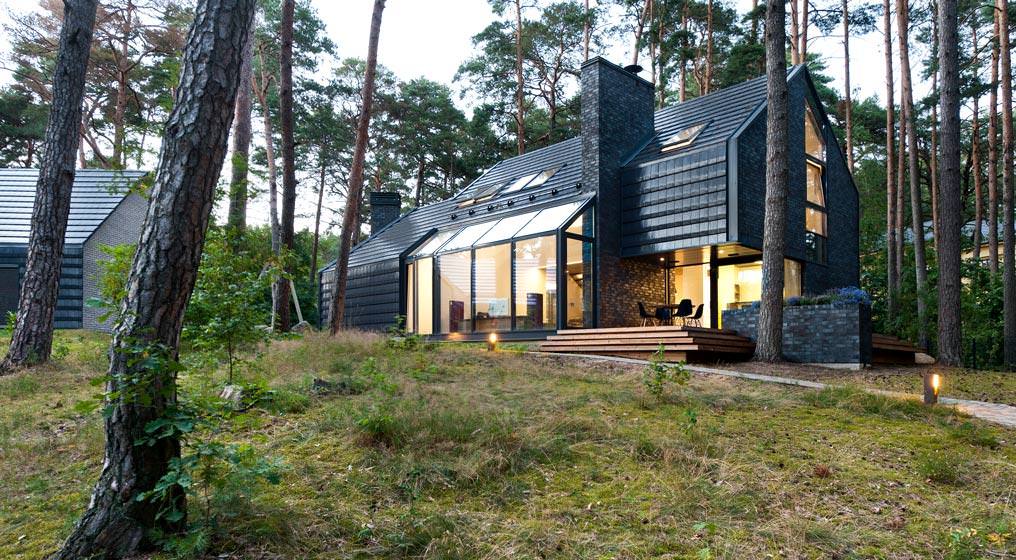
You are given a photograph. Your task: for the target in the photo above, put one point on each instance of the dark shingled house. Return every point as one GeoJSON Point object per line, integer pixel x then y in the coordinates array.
{"type": "Point", "coordinates": [652, 206]}
{"type": "Point", "coordinates": [104, 211]}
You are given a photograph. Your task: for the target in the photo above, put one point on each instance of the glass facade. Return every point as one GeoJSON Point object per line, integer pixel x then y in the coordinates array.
{"type": "Point", "coordinates": [504, 274]}
{"type": "Point", "coordinates": [536, 283]}
{"type": "Point", "coordinates": [492, 269]}
{"type": "Point", "coordinates": [815, 203]}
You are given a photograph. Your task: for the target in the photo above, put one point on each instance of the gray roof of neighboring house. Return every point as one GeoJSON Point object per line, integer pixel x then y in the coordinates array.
{"type": "Point", "coordinates": [410, 228]}
{"type": "Point", "coordinates": [96, 192]}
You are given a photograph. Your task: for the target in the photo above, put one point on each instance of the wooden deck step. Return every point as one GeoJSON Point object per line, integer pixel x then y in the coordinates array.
{"type": "Point", "coordinates": [887, 349]}
{"type": "Point", "coordinates": [679, 343]}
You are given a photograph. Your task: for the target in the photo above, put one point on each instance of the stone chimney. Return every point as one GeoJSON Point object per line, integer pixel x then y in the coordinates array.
{"type": "Point", "coordinates": [385, 207]}
{"type": "Point", "coordinates": [617, 120]}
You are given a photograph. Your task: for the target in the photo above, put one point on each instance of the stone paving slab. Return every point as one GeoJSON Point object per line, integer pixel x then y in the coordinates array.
{"type": "Point", "coordinates": [1002, 414]}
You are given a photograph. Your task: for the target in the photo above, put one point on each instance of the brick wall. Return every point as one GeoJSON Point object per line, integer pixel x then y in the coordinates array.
{"type": "Point", "coordinates": [818, 334]}
{"type": "Point", "coordinates": [121, 227]}
{"type": "Point", "coordinates": [617, 118]}
{"type": "Point", "coordinates": [385, 208]}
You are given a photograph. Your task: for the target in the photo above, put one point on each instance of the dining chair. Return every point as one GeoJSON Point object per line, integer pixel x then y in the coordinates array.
{"type": "Point", "coordinates": [645, 315]}
{"type": "Point", "coordinates": [696, 319]}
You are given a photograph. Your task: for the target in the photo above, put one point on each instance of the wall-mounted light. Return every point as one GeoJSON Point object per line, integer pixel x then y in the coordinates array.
{"type": "Point", "coordinates": [492, 342]}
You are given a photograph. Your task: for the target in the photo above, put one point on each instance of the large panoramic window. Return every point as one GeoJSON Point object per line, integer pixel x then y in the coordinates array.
{"type": "Point", "coordinates": [815, 204]}
{"type": "Point", "coordinates": [536, 283]}
{"type": "Point", "coordinates": [579, 283]}
{"type": "Point", "coordinates": [493, 288]}
{"type": "Point", "coordinates": [504, 274]}
{"type": "Point", "coordinates": [456, 305]}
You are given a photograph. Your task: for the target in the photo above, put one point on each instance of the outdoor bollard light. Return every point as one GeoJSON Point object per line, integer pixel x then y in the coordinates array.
{"type": "Point", "coordinates": [492, 342]}
{"type": "Point", "coordinates": [932, 383]}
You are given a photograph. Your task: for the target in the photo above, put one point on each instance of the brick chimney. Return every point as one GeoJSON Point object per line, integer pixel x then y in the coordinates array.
{"type": "Point", "coordinates": [617, 120]}
{"type": "Point", "coordinates": [385, 207]}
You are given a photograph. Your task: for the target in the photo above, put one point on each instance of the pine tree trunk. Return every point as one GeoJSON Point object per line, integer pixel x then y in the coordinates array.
{"type": "Point", "coordinates": [950, 219]}
{"type": "Point", "coordinates": [1008, 241]}
{"type": "Point", "coordinates": [892, 273]}
{"type": "Point", "coordinates": [242, 132]}
{"type": "Point", "coordinates": [916, 214]}
{"type": "Point", "coordinates": [683, 89]}
{"type": "Point", "coordinates": [520, 99]}
{"type": "Point", "coordinates": [586, 32]}
{"type": "Point", "coordinates": [795, 32]}
{"type": "Point", "coordinates": [933, 173]}
{"type": "Point", "coordinates": [419, 182]}
{"type": "Point", "coordinates": [975, 157]}
{"type": "Point", "coordinates": [355, 190]}
{"type": "Point", "coordinates": [118, 159]}
{"type": "Point", "coordinates": [770, 323]}
{"type": "Point", "coordinates": [709, 48]}
{"type": "Point", "coordinates": [282, 299]}
{"type": "Point", "coordinates": [993, 254]}
{"type": "Point", "coordinates": [803, 48]}
{"type": "Point", "coordinates": [32, 339]}
{"type": "Point", "coordinates": [848, 109]}
{"type": "Point", "coordinates": [117, 524]}
{"type": "Point", "coordinates": [647, 10]}
{"type": "Point", "coordinates": [901, 194]}
{"type": "Point", "coordinates": [317, 218]}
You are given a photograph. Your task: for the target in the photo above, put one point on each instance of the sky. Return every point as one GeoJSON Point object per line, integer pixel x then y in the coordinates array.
{"type": "Point", "coordinates": [430, 38]}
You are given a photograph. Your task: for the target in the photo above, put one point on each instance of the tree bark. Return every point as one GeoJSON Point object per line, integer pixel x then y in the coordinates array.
{"type": "Point", "coordinates": [993, 154]}
{"type": "Point", "coordinates": [933, 174]}
{"type": "Point", "coordinates": [709, 48]}
{"type": "Point", "coordinates": [950, 220]}
{"type": "Point", "coordinates": [770, 326]}
{"type": "Point", "coordinates": [353, 193]}
{"type": "Point", "coordinates": [117, 524]}
{"type": "Point", "coordinates": [639, 28]}
{"type": "Point", "coordinates": [975, 157]}
{"type": "Point", "coordinates": [520, 98]}
{"type": "Point", "coordinates": [120, 107]}
{"type": "Point", "coordinates": [282, 299]}
{"type": "Point", "coordinates": [242, 132]}
{"type": "Point", "coordinates": [317, 218]}
{"type": "Point", "coordinates": [795, 33]}
{"type": "Point", "coordinates": [32, 339]}
{"type": "Point", "coordinates": [892, 273]}
{"type": "Point", "coordinates": [1008, 240]}
{"type": "Point", "coordinates": [586, 32]}
{"type": "Point", "coordinates": [916, 214]}
{"type": "Point", "coordinates": [803, 48]}
{"type": "Point", "coordinates": [848, 104]}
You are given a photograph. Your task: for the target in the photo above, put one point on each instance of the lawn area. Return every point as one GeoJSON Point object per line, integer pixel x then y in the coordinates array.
{"type": "Point", "coordinates": [990, 386]}
{"type": "Point", "coordinates": [454, 452]}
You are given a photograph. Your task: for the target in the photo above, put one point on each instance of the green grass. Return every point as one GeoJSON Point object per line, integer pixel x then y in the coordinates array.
{"type": "Point", "coordinates": [454, 452]}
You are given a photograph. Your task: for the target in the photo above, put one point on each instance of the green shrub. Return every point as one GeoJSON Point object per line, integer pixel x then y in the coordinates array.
{"type": "Point", "coordinates": [658, 374]}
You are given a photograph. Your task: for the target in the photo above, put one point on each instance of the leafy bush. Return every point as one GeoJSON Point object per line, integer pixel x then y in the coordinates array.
{"type": "Point", "coordinates": [223, 316]}
{"type": "Point", "coordinates": [840, 296]}
{"type": "Point", "coordinates": [112, 280]}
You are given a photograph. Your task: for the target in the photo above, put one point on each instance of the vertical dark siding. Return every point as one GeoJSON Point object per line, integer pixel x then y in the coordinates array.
{"type": "Point", "coordinates": [372, 295]}
{"type": "Point", "coordinates": [69, 298]}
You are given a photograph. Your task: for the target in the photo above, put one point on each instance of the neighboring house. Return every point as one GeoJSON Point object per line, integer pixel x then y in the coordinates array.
{"type": "Point", "coordinates": [645, 205]}
{"type": "Point", "coordinates": [104, 211]}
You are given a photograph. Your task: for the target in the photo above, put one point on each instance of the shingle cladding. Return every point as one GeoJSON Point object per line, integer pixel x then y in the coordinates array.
{"type": "Point", "coordinates": [373, 297]}
{"type": "Point", "coordinates": [842, 267]}
{"type": "Point", "coordinates": [94, 197]}
{"type": "Point", "coordinates": [673, 200]}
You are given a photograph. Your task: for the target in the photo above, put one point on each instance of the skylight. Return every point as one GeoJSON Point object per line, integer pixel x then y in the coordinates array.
{"type": "Point", "coordinates": [684, 138]}
{"type": "Point", "coordinates": [532, 181]}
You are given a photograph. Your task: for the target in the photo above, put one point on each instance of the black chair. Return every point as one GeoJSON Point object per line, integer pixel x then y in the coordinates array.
{"type": "Point", "coordinates": [645, 315]}
{"type": "Point", "coordinates": [663, 315]}
{"type": "Point", "coordinates": [683, 309]}
{"type": "Point", "coordinates": [696, 319]}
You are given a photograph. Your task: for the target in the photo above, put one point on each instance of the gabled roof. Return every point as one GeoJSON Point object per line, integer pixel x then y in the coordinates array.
{"type": "Point", "coordinates": [95, 194]}
{"type": "Point", "coordinates": [392, 240]}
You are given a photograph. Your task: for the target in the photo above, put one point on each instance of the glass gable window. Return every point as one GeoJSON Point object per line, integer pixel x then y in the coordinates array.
{"type": "Point", "coordinates": [815, 202]}
{"type": "Point", "coordinates": [435, 243]}
{"type": "Point", "coordinates": [549, 219]}
{"type": "Point", "coordinates": [503, 275]}
{"type": "Point", "coordinates": [506, 228]}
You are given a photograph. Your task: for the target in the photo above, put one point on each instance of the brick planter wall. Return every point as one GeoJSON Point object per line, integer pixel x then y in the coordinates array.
{"type": "Point", "coordinates": [819, 334]}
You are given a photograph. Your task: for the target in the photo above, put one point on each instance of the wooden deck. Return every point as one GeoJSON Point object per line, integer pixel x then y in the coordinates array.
{"type": "Point", "coordinates": [689, 344]}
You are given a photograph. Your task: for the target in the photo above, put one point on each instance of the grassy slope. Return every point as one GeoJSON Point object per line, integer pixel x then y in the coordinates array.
{"type": "Point", "coordinates": [477, 455]}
